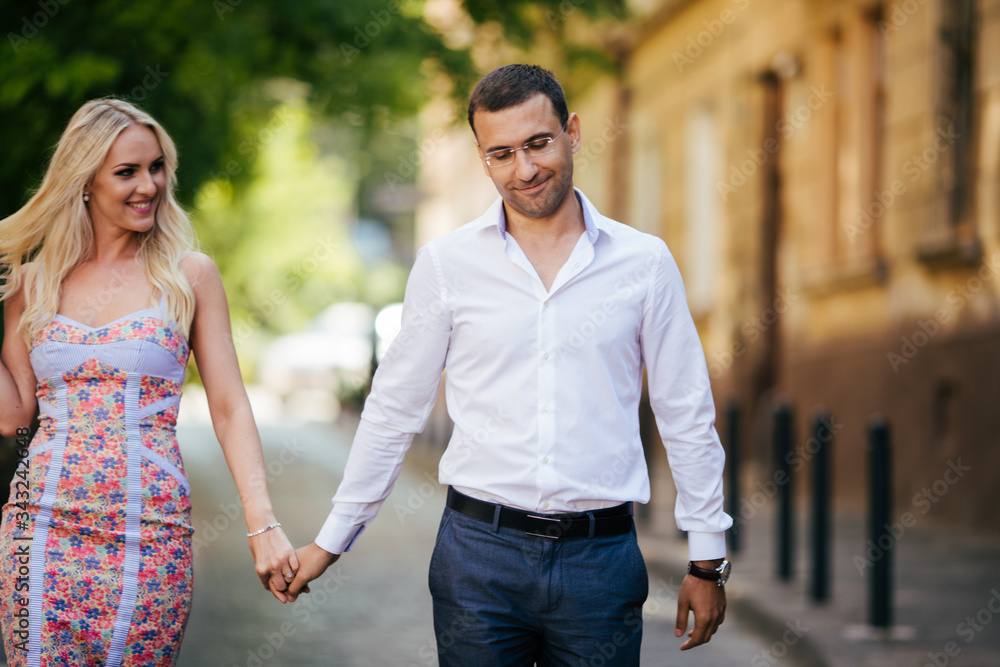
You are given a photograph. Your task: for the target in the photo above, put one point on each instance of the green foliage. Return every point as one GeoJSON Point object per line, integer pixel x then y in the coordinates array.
{"type": "Point", "coordinates": [523, 20]}
{"type": "Point", "coordinates": [291, 119]}
{"type": "Point", "coordinates": [283, 244]}
{"type": "Point", "coordinates": [198, 66]}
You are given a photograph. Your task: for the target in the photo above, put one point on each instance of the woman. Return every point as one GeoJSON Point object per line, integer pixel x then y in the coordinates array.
{"type": "Point", "coordinates": [95, 545]}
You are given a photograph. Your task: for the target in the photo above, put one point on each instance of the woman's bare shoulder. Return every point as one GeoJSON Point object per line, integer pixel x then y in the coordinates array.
{"type": "Point", "coordinates": [197, 266]}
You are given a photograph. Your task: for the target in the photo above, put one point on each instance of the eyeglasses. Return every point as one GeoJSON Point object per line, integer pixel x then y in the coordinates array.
{"type": "Point", "coordinates": [504, 156]}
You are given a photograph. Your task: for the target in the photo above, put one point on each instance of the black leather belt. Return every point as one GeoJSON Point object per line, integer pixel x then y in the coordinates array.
{"type": "Point", "coordinates": [574, 525]}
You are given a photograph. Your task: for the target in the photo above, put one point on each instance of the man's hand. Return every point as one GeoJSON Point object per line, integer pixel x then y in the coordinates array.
{"type": "Point", "coordinates": [313, 561]}
{"type": "Point", "coordinates": [708, 602]}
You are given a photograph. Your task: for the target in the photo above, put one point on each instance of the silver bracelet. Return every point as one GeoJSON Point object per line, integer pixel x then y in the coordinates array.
{"type": "Point", "coordinates": [264, 529]}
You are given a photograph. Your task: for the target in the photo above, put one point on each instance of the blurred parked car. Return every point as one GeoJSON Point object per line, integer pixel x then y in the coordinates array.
{"type": "Point", "coordinates": [333, 354]}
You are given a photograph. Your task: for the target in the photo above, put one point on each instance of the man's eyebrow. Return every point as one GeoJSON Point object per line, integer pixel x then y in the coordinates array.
{"type": "Point", "coordinates": [534, 137]}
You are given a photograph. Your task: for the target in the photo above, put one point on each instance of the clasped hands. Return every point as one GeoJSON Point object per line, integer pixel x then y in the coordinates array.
{"type": "Point", "coordinates": [306, 564]}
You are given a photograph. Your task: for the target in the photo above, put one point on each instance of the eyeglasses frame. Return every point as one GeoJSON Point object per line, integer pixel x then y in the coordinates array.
{"type": "Point", "coordinates": [525, 147]}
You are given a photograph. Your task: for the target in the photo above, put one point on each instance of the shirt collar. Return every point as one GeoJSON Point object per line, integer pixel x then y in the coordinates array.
{"type": "Point", "coordinates": [592, 219]}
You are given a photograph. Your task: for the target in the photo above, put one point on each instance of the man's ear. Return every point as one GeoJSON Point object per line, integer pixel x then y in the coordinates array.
{"type": "Point", "coordinates": [574, 132]}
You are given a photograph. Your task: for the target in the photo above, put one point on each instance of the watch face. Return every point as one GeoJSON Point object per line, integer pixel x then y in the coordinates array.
{"type": "Point", "coordinates": [724, 571]}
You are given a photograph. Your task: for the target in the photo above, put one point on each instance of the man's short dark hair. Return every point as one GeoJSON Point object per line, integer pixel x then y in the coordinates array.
{"type": "Point", "coordinates": [510, 85]}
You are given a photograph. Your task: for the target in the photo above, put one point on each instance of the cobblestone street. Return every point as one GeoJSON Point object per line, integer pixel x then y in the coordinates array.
{"type": "Point", "coordinates": [372, 608]}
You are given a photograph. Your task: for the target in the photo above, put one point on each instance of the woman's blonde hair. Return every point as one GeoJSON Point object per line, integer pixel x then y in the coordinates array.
{"type": "Point", "coordinates": [54, 229]}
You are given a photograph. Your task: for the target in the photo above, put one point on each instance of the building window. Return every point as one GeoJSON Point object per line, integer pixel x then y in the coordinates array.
{"type": "Point", "coordinates": [952, 215]}
{"type": "Point", "coordinates": [849, 61]}
{"type": "Point", "coordinates": [859, 74]}
{"type": "Point", "coordinates": [701, 210]}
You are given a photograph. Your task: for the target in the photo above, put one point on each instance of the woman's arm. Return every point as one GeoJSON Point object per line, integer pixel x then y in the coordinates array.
{"type": "Point", "coordinates": [212, 344]}
{"type": "Point", "coordinates": [17, 379]}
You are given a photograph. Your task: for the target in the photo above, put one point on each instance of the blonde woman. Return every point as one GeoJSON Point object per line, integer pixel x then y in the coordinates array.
{"type": "Point", "coordinates": [95, 545]}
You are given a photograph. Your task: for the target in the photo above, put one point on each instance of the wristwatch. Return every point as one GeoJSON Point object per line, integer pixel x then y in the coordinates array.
{"type": "Point", "coordinates": [719, 575]}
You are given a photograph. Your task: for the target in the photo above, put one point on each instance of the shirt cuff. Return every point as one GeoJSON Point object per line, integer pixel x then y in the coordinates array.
{"type": "Point", "coordinates": [336, 536]}
{"type": "Point", "coordinates": [706, 546]}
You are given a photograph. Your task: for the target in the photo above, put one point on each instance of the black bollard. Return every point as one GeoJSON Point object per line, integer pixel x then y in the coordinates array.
{"type": "Point", "coordinates": [733, 463]}
{"type": "Point", "coordinates": [783, 481]}
{"type": "Point", "coordinates": [881, 493]}
{"type": "Point", "coordinates": [819, 587]}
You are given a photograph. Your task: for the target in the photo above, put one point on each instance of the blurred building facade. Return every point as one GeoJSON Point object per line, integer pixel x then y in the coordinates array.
{"type": "Point", "coordinates": [827, 175]}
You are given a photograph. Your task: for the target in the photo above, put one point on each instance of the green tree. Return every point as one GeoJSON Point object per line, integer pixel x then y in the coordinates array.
{"type": "Point", "coordinates": [222, 77]}
{"type": "Point", "coordinates": [200, 67]}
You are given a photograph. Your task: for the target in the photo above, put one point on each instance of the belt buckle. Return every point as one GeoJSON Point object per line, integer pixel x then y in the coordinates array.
{"type": "Point", "coordinates": [545, 535]}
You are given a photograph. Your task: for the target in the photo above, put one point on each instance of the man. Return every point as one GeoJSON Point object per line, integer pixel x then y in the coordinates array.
{"type": "Point", "coordinates": [543, 313]}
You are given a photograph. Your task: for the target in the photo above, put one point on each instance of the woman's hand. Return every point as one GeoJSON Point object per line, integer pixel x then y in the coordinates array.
{"type": "Point", "coordinates": [17, 379]}
{"type": "Point", "coordinates": [274, 558]}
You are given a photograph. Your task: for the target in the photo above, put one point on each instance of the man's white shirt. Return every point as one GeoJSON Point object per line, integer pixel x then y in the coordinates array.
{"type": "Point", "coordinates": [543, 386]}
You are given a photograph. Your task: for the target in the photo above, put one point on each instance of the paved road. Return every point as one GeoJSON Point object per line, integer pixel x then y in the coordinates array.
{"type": "Point", "coordinates": [373, 608]}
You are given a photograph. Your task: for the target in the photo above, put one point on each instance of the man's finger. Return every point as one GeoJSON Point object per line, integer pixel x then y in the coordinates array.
{"type": "Point", "coordinates": [699, 635]}
{"type": "Point", "coordinates": [298, 584]}
{"type": "Point", "coordinates": [682, 617]}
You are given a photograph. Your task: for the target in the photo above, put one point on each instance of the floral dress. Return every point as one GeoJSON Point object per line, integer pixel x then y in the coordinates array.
{"type": "Point", "coordinates": [95, 545]}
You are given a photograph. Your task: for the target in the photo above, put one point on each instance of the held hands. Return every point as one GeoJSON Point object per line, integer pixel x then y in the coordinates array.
{"type": "Point", "coordinates": [708, 602]}
{"type": "Point", "coordinates": [274, 560]}
{"type": "Point", "coordinates": [313, 561]}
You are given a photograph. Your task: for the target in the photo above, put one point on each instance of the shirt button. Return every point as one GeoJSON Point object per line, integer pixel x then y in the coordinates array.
{"type": "Point", "coordinates": [545, 460]}
{"type": "Point", "coordinates": [545, 505]}
{"type": "Point", "coordinates": [545, 356]}
{"type": "Point", "coordinates": [545, 305]}
{"type": "Point", "coordinates": [548, 408]}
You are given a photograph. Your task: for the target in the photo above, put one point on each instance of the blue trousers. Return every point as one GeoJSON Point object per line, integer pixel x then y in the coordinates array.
{"type": "Point", "coordinates": [506, 599]}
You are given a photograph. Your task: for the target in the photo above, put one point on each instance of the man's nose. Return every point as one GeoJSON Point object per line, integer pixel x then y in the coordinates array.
{"type": "Point", "coordinates": [524, 166]}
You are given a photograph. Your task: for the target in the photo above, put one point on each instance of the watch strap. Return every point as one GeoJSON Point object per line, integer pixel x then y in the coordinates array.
{"type": "Point", "coordinates": [708, 574]}
{"type": "Point", "coordinates": [714, 575]}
